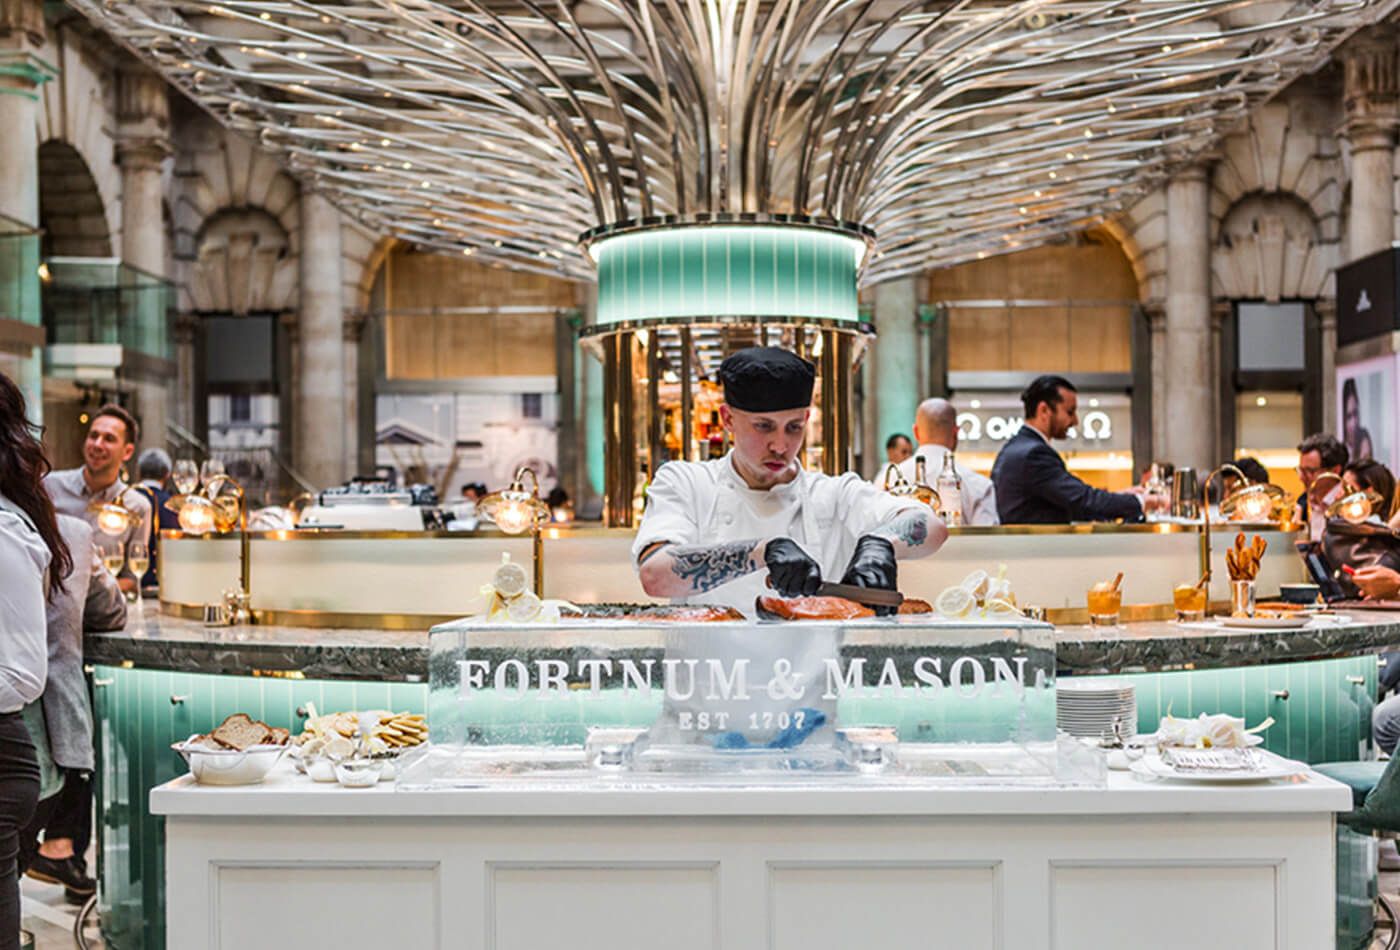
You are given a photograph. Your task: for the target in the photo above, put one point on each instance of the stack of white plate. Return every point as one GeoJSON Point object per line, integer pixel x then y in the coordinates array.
{"type": "Point", "coordinates": [1089, 708]}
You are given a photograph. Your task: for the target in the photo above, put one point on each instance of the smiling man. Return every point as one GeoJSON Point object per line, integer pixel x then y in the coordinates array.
{"type": "Point", "coordinates": [109, 445]}
{"type": "Point", "coordinates": [717, 532]}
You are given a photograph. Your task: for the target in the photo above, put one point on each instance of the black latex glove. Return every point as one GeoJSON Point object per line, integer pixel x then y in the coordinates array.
{"type": "Point", "coordinates": [791, 570]}
{"type": "Point", "coordinates": [873, 566]}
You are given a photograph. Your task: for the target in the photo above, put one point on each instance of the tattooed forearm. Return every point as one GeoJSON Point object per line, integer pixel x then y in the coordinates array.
{"type": "Point", "coordinates": [911, 527]}
{"type": "Point", "coordinates": [706, 567]}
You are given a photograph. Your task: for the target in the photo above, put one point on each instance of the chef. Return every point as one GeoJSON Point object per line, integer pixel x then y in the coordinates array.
{"type": "Point", "coordinates": [715, 531]}
{"type": "Point", "coordinates": [725, 530]}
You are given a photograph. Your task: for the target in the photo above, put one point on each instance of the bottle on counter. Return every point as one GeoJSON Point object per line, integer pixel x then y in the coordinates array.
{"type": "Point", "coordinates": [949, 489]}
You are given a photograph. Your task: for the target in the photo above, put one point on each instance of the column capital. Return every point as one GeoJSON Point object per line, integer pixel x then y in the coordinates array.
{"type": "Point", "coordinates": [1156, 313]}
{"type": "Point", "coordinates": [186, 328]}
{"type": "Point", "coordinates": [143, 116]}
{"type": "Point", "coordinates": [291, 322]}
{"type": "Point", "coordinates": [1371, 88]}
{"type": "Point", "coordinates": [1219, 311]}
{"type": "Point", "coordinates": [1326, 310]}
{"type": "Point", "coordinates": [22, 20]}
{"type": "Point", "coordinates": [353, 326]}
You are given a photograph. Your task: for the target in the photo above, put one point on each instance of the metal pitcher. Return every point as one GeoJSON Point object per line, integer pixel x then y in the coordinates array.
{"type": "Point", "coordinates": [1185, 492]}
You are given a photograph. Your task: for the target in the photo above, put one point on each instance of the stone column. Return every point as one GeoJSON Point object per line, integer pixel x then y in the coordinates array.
{"type": "Point", "coordinates": [894, 365]}
{"type": "Point", "coordinates": [186, 326]}
{"type": "Point", "coordinates": [22, 71]}
{"type": "Point", "coordinates": [1190, 377]}
{"type": "Point", "coordinates": [320, 381]}
{"type": "Point", "coordinates": [354, 330]}
{"type": "Point", "coordinates": [1371, 96]}
{"type": "Point", "coordinates": [1326, 310]}
{"type": "Point", "coordinates": [1157, 328]}
{"type": "Point", "coordinates": [143, 145]}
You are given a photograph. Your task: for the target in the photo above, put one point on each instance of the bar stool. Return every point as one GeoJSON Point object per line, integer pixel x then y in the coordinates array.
{"type": "Point", "coordinates": [1375, 794]}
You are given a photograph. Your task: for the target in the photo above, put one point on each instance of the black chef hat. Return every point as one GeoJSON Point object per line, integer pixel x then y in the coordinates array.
{"type": "Point", "coordinates": [767, 379]}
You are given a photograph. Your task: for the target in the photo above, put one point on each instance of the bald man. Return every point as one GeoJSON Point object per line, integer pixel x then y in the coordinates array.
{"type": "Point", "coordinates": [936, 429]}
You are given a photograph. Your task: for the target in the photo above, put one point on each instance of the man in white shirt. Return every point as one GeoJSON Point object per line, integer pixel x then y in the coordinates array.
{"type": "Point", "coordinates": [110, 443]}
{"type": "Point", "coordinates": [936, 428]}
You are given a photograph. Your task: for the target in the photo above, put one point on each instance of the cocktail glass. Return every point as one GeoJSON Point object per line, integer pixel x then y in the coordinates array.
{"type": "Point", "coordinates": [1190, 602]}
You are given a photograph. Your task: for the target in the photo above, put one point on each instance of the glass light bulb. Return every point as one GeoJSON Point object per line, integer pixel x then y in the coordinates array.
{"type": "Point", "coordinates": [111, 521]}
{"type": "Point", "coordinates": [1256, 507]}
{"type": "Point", "coordinates": [1356, 511]}
{"type": "Point", "coordinates": [196, 519]}
{"type": "Point", "coordinates": [513, 517]}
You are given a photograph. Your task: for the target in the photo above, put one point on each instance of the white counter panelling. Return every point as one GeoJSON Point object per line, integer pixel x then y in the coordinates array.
{"type": "Point", "coordinates": [292, 865]}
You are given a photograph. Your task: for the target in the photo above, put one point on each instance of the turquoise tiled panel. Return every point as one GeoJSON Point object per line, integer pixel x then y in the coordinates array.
{"type": "Point", "coordinates": [137, 722]}
{"type": "Point", "coordinates": [1326, 717]}
{"type": "Point", "coordinates": [728, 270]}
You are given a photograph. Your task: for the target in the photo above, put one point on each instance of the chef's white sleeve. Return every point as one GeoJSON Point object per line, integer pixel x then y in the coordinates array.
{"type": "Point", "coordinates": [865, 507]}
{"type": "Point", "coordinates": [671, 512]}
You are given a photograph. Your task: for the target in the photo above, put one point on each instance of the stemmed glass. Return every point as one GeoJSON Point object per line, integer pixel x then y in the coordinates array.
{"type": "Point", "coordinates": [138, 558]}
{"type": "Point", "coordinates": [185, 476]}
{"type": "Point", "coordinates": [110, 550]}
{"type": "Point", "coordinates": [209, 469]}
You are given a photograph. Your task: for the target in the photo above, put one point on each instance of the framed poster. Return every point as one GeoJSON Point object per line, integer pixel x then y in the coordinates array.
{"type": "Point", "coordinates": [1366, 409]}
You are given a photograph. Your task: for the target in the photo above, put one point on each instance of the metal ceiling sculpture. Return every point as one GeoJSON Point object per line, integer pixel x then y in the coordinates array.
{"type": "Point", "coordinates": [952, 129]}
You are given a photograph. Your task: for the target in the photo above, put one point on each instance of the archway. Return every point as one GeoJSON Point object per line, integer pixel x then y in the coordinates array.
{"type": "Point", "coordinates": [71, 211]}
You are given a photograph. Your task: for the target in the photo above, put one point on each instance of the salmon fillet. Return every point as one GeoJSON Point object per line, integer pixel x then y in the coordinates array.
{"type": "Point", "coordinates": [811, 608]}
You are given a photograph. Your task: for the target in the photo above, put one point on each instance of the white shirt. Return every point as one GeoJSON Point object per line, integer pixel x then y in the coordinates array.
{"type": "Point", "coordinates": [709, 503]}
{"type": "Point", "coordinates": [24, 650]}
{"type": "Point", "coordinates": [979, 495]}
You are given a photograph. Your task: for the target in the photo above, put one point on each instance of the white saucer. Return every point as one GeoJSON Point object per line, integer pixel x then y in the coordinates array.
{"type": "Point", "coordinates": [1265, 623]}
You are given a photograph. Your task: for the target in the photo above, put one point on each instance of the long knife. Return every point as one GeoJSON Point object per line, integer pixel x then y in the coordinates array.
{"type": "Point", "coordinates": [870, 596]}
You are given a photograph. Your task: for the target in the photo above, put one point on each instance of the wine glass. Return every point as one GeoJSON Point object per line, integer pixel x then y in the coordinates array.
{"type": "Point", "coordinates": [113, 559]}
{"type": "Point", "coordinates": [138, 558]}
{"type": "Point", "coordinates": [185, 476]}
{"type": "Point", "coordinates": [209, 469]}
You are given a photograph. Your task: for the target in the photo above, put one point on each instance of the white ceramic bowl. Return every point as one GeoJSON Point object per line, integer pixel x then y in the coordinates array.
{"type": "Point", "coordinates": [228, 766]}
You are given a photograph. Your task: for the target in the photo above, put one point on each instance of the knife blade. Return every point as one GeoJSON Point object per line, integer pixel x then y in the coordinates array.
{"type": "Point", "coordinates": [870, 596]}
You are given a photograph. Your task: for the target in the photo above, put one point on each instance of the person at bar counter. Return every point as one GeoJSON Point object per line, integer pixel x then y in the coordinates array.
{"type": "Point", "coordinates": [936, 428]}
{"type": "Point", "coordinates": [898, 448]}
{"type": "Point", "coordinates": [715, 532]}
{"type": "Point", "coordinates": [1033, 485]}
{"type": "Point", "coordinates": [1320, 457]}
{"type": "Point", "coordinates": [110, 443]}
{"type": "Point", "coordinates": [153, 467]}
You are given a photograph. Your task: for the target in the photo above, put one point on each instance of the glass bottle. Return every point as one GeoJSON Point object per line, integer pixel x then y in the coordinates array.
{"type": "Point", "coordinates": [949, 489]}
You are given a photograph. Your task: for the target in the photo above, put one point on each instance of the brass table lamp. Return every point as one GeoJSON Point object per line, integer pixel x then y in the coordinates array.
{"type": "Point", "coordinates": [1253, 501]}
{"type": "Point", "coordinates": [518, 509]}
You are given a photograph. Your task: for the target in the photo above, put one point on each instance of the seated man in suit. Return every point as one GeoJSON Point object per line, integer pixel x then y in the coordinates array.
{"type": "Point", "coordinates": [1033, 486]}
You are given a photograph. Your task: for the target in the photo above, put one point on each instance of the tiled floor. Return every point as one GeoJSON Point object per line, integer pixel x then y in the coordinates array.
{"type": "Point", "coordinates": [50, 918]}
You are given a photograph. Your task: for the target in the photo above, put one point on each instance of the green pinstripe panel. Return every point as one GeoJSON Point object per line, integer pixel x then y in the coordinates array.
{"type": "Point", "coordinates": [1326, 717]}
{"type": "Point", "coordinates": [728, 270]}
{"type": "Point", "coordinates": [137, 722]}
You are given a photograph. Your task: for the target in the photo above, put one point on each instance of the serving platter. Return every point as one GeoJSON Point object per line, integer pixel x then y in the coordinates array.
{"type": "Point", "coordinates": [1273, 767]}
{"type": "Point", "coordinates": [1265, 623]}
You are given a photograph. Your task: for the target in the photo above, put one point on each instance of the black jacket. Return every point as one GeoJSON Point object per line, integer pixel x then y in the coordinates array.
{"type": "Point", "coordinates": [1034, 487]}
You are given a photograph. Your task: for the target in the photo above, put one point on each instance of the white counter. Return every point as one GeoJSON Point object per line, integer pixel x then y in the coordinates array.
{"type": "Point", "coordinates": [293, 864]}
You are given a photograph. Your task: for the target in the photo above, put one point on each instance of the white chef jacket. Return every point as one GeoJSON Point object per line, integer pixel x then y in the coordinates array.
{"type": "Point", "coordinates": [24, 650]}
{"type": "Point", "coordinates": [709, 503]}
{"type": "Point", "coordinates": [979, 495]}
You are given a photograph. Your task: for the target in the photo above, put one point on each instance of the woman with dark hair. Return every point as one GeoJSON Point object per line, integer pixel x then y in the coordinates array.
{"type": "Point", "coordinates": [33, 563]}
{"type": "Point", "coordinates": [1370, 475]}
